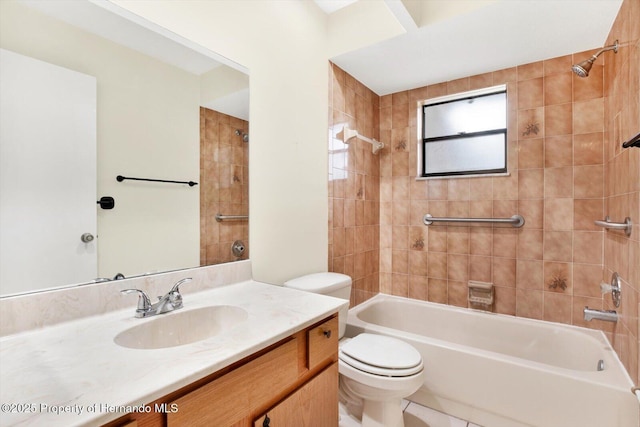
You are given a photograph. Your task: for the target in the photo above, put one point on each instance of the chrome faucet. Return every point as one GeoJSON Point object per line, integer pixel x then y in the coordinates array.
{"type": "Point", "coordinates": [172, 300]}
{"type": "Point", "coordinates": [118, 276]}
{"type": "Point", "coordinates": [606, 315]}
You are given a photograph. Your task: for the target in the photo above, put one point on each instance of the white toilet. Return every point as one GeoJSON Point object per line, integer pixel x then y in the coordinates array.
{"type": "Point", "coordinates": [376, 372]}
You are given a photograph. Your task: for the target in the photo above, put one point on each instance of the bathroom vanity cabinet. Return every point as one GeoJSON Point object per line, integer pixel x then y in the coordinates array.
{"type": "Point", "coordinates": [313, 404]}
{"type": "Point", "coordinates": [291, 383]}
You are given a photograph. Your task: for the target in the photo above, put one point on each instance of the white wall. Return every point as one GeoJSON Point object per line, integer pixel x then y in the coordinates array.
{"type": "Point", "coordinates": [142, 131]}
{"type": "Point", "coordinates": [226, 90]}
{"type": "Point", "coordinates": [284, 46]}
{"type": "Point", "coordinates": [376, 22]}
{"type": "Point", "coordinates": [221, 81]}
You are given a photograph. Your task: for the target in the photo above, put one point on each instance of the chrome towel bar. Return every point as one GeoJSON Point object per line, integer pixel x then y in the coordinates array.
{"type": "Point", "coordinates": [220, 217]}
{"type": "Point", "coordinates": [626, 225]}
{"type": "Point", "coordinates": [121, 178]}
{"type": "Point", "coordinates": [516, 221]}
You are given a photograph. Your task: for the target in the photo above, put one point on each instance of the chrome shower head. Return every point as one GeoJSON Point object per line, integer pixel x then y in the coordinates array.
{"type": "Point", "coordinates": [582, 69]}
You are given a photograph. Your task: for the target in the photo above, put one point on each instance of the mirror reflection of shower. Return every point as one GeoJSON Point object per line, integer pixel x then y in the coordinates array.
{"type": "Point", "coordinates": [224, 192]}
{"type": "Point", "coordinates": [245, 136]}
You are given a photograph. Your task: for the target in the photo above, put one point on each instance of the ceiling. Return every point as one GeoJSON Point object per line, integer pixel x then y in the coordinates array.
{"type": "Point", "coordinates": [449, 39]}
{"type": "Point", "coordinates": [330, 6]}
{"type": "Point", "coordinates": [439, 40]}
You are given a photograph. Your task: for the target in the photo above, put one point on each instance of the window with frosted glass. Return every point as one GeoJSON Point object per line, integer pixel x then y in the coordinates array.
{"type": "Point", "coordinates": [465, 135]}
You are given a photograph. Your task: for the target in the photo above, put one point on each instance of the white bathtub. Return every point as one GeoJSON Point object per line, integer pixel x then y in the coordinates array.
{"type": "Point", "coordinates": [504, 371]}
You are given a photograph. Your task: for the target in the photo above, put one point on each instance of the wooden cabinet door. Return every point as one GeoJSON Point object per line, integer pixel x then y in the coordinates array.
{"type": "Point", "coordinates": [228, 400]}
{"type": "Point", "coordinates": [313, 405]}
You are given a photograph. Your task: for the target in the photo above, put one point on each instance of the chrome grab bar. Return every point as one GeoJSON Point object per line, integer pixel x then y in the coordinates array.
{"type": "Point", "coordinates": [220, 217]}
{"type": "Point", "coordinates": [626, 225]}
{"type": "Point", "coordinates": [516, 220]}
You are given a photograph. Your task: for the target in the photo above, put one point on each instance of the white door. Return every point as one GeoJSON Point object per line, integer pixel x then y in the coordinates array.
{"type": "Point", "coordinates": [47, 175]}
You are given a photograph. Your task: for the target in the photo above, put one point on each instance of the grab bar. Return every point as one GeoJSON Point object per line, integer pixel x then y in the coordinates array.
{"type": "Point", "coordinates": [220, 217]}
{"type": "Point", "coordinates": [627, 225]}
{"type": "Point", "coordinates": [516, 220]}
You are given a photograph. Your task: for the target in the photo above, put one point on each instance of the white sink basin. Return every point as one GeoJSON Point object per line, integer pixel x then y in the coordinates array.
{"type": "Point", "coordinates": [181, 327]}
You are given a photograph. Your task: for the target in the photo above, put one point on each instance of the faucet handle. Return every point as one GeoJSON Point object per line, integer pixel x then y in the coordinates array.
{"type": "Point", "coordinates": [176, 287]}
{"type": "Point", "coordinates": [144, 303]}
{"type": "Point", "coordinates": [174, 294]}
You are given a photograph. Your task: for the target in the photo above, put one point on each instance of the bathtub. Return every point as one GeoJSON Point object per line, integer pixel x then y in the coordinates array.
{"type": "Point", "coordinates": [503, 371]}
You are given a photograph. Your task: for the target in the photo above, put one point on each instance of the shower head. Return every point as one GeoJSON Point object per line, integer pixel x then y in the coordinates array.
{"type": "Point", "coordinates": [245, 136]}
{"type": "Point", "coordinates": [582, 69]}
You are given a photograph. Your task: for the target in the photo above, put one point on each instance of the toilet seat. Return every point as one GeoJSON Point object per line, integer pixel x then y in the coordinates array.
{"type": "Point", "coordinates": [381, 355]}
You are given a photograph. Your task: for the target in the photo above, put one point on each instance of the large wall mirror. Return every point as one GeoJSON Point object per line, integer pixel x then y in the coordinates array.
{"type": "Point", "coordinates": [89, 93]}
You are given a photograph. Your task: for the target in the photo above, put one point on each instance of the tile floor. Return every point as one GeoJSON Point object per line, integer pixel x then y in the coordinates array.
{"type": "Point", "coordinates": [415, 415]}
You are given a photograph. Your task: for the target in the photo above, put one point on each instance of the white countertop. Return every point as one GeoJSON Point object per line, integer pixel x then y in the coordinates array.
{"type": "Point", "coordinates": [76, 366]}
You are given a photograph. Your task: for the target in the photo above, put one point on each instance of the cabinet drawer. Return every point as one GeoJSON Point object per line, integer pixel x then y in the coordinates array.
{"type": "Point", "coordinates": [228, 399]}
{"type": "Point", "coordinates": [323, 342]}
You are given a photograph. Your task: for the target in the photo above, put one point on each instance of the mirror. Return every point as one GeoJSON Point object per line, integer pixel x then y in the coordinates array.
{"type": "Point", "coordinates": [162, 107]}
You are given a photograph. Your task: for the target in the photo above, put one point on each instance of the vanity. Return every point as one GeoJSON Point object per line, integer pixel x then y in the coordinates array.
{"type": "Point", "coordinates": [294, 382]}
{"type": "Point", "coordinates": [276, 366]}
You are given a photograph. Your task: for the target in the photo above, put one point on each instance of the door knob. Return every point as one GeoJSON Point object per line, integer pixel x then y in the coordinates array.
{"type": "Point", "coordinates": [87, 237]}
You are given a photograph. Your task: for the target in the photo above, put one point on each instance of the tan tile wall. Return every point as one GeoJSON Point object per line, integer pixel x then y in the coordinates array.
{"type": "Point", "coordinates": [354, 185]}
{"type": "Point", "coordinates": [550, 268]}
{"type": "Point", "coordinates": [622, 176]}
{"type": "Point", "coordinates": [224, 162]}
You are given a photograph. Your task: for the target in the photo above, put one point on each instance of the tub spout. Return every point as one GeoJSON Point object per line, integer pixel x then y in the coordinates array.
{"type": "Point", "coordinates": [606, 315]}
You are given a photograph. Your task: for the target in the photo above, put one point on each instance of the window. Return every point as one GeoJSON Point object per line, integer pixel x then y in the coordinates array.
{"type": "Point", "coordinates": [465, 134]}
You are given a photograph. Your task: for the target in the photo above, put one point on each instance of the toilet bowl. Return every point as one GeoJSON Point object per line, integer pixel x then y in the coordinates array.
{"type": "Point", "coordinates": [376, 372]}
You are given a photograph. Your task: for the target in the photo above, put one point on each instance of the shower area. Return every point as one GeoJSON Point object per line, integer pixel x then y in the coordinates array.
{"type": "Point", "coordinates": [224, 193]}
{"type": "Point", "coordinates": [572, 130]}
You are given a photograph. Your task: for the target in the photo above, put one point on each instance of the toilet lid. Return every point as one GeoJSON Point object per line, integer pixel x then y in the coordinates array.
{"type": "Point", "coordinates": [381, 355]}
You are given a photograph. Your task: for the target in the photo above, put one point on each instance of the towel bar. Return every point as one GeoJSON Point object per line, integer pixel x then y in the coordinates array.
{"type": "Point", "coordinates": [220, 217]}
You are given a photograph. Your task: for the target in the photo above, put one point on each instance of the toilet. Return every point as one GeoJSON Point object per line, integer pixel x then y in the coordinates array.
{"type": "Point", "coordinates": [376, 371]}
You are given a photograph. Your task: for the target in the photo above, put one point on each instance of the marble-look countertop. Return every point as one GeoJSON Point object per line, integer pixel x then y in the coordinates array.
{"type": "Point", "coordinates": [74, 374]}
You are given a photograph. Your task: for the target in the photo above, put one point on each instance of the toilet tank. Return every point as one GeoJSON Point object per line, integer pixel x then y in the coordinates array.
{"type": "Point", "coordinates": [332, 284]}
